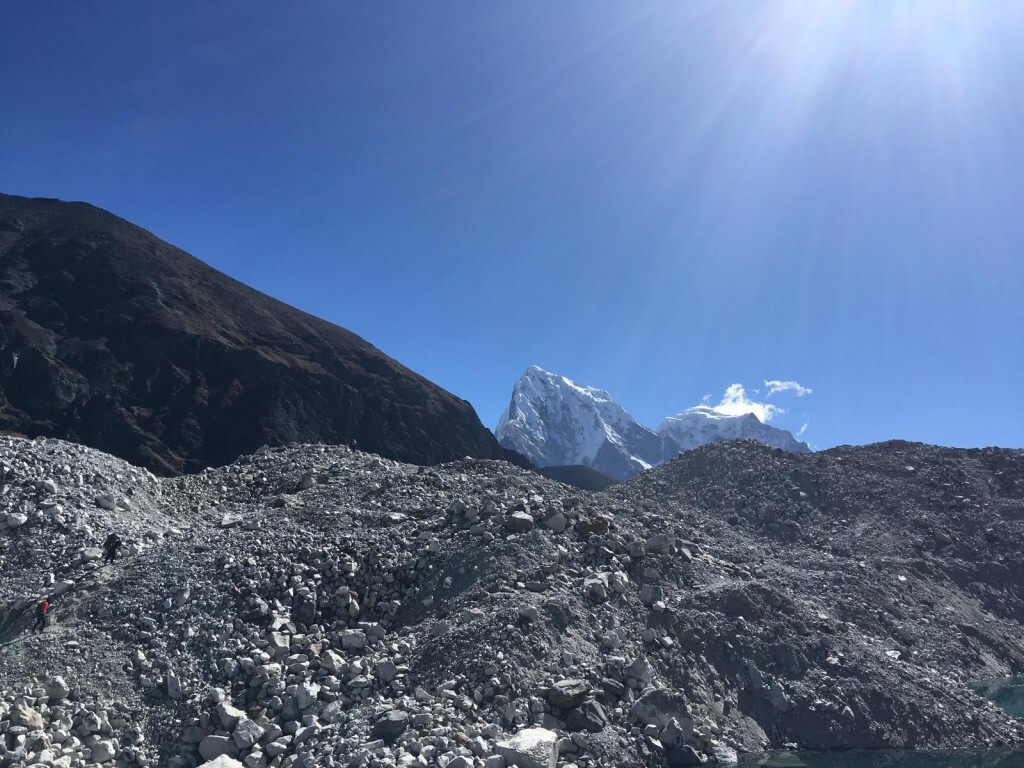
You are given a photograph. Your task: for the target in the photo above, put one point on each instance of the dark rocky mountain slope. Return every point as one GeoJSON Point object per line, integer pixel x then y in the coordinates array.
{"type": "Point", "coordinates": [578, 476]}
{"type": "Point", "coordinates": [115, 339]}
{"type": "Point", "coordinates": [311, 607]}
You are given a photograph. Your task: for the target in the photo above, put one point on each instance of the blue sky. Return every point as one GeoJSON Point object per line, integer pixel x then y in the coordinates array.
{"type": "Point", "coordinates": [662, 200]}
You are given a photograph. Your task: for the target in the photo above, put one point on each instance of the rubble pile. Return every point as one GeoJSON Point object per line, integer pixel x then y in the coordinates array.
{"type": "Point", "coordinates": [315, 606]}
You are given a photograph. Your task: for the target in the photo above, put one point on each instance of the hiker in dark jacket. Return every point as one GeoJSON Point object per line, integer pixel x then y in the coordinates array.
{"type": "Point", "coordinates": [41, 610]}
{"type": "Point", "coordinates": [110, 547]}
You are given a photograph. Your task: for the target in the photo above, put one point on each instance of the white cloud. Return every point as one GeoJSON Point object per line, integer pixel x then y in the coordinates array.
{"type": "Point", "coordinates": [803, 428]}
{"type": "Point", "coordinates": [775, 387]}
{"type": "Point", "coordinates": [736, 403]}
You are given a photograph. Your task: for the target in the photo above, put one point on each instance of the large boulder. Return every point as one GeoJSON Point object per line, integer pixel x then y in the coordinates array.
{"type": "Point", "coordinates": [104, 750]}
{"type": "Point", "coordinates": [222, 762]}
{"type": "Point", "coordinates": [530, 748]}
{"type": "Point", "coordinates": [56, 688]}
{"type": "Point", "coordinates": [588, 716]}
{"type": "Point", "coordinates": [519, 522]}
{"type": "Point", "coordinates": [246, 733]}
{"type": "Point", "coordinates": [214, 746]}
{"type": "Point", "coordinates": [26, 717]}
{"type": "Point", "coordinates": [683, 757]}
{"type": "Point", "coordinates": [390, 725]}
{"type": "Point", "coordinates": [566, 694]}
{"type": "Point", "coordinates": [657, 706]}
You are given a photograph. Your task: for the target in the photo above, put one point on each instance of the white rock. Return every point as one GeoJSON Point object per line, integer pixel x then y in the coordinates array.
{"type": "Point", "coordinates": [173, 686]}
{"type": "Point", "coordinates": [222, 762]}
{"type": "Point", "coordinates": [103, 751]}
{"type": "Point", "coordinates": [530, 748]}
{"type": "Point", "coordinates": [62, 587]}
{"type": "Point", "coordinates": [56, 688]}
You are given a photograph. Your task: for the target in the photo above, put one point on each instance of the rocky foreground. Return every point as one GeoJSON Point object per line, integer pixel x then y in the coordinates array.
{"type": "Point", "coordinates": [310, 606]}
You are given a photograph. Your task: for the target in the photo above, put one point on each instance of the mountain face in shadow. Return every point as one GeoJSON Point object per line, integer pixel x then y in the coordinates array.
{"type": "Point", "coordinates": [113, 338]}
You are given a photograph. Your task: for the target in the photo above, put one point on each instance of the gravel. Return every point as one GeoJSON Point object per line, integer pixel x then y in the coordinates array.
{"type": "Point", "coordinates": [314, 606]}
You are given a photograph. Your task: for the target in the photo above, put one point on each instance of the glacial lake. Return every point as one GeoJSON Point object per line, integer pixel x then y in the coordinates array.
{"type": "Point", "coordinates": [886, 759]}
{"type": "Point", "coordinates": [1006, 693]}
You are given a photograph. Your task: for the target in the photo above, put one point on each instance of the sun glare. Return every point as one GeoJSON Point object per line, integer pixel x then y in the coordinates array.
{"type": "Point", "coordinates": [882, 52]}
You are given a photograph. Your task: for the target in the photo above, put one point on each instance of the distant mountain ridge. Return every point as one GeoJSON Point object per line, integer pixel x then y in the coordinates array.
{"type": "Point", "coordinates": [554, 421]}
{"type": "Point", "coordinates": [113, 338]}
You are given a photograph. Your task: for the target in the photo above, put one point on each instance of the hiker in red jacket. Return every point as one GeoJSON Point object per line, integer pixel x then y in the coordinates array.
{"type": "Point", "coordinates": [41, 611]}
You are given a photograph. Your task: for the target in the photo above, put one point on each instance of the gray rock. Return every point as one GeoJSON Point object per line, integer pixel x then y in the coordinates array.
{"type": "Point", "coordinates": [305, 734]}
{"type": "Point", "coordinates": [306, 694]}
{"type": "Point", "coordinates": [651, 593]}
{"type": "Point", "coordinates": [659, 707]}
{"type": "Point", "coordinates": [334, 712]}
{"type": "Point", "coordinates": [519, 522]}
{"type": "Point", "coordinates": [353, 639]}
{"type": "Point", "coordinates": [246, 733]}
{"type": "Point", "coordinates": [724, 754]}
{"type": "Point", "coordinates": [56, 688]}
{"type": "Point", "coordinates": [62, 587]}
{"type": "Point", "coordinates": [229, 715]}
{"type": "Point", "coordinates": [619, 581]}
{"type": "Point", "coordinates": [390, 725]}
{"type": "Point", "coordinates": [598, 524]}
{"type": "Point", "coordinates": [26, 717]}
{"type": "Point", "coordinates": [214, 746]}
{"type": "Point", "coordinates": [104, 750]}
{"type": "Point", "coordinates": [660, 544]}
{"type": "Point", "coordinates": [777, 698]}
{"type": "Point", "coordinates": [684, 756]}
{"type": "Point", "coordinates": [530, 748]}
{"type": "Point", "coordinates": [173, 686]}
{"type": "Point", "coordinates": [556, 523]}
{"type": "Point", "coordinates": [566, 694]}
{"type": "Point", "coordinates": [640, 669]}
{"type": "Point", "coordinates": [636, 549]}
{"type": "Point", "coordinates": [387, 671]}
{"type": "Point", "coordinates": [674, 734]}
{"type": "Point", "coordinates": [597, 585]}
{"type": "Point", "coordinates": [588, 716]}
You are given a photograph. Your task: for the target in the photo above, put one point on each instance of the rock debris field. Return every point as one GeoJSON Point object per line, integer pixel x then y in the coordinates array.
{"type": "Point", "coordinates": [311, 606]}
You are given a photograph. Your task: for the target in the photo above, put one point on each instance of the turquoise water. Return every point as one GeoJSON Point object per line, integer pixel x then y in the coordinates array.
{"type": "Point", "coordinates": [886, 759]}
{"type": "Point", "coordinates": [1006, 693]}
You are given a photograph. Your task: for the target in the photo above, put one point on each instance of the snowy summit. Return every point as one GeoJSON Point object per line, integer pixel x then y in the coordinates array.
{"type": "Point", "coordinates": [554, 421]}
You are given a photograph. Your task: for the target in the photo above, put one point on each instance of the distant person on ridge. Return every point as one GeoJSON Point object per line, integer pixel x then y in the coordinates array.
{"type": "Point", "coordinates": [41, 610]}
{"type": "Point", "coordinates": [110, 547]}
{"type": "Point", "coordinates": [353, 445]}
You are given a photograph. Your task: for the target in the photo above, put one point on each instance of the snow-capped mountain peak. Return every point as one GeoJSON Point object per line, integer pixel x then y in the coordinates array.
{"type": "Point", "coordinates": [702, 424]}
{"type": "Point", "coordinates": [555, 421]}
